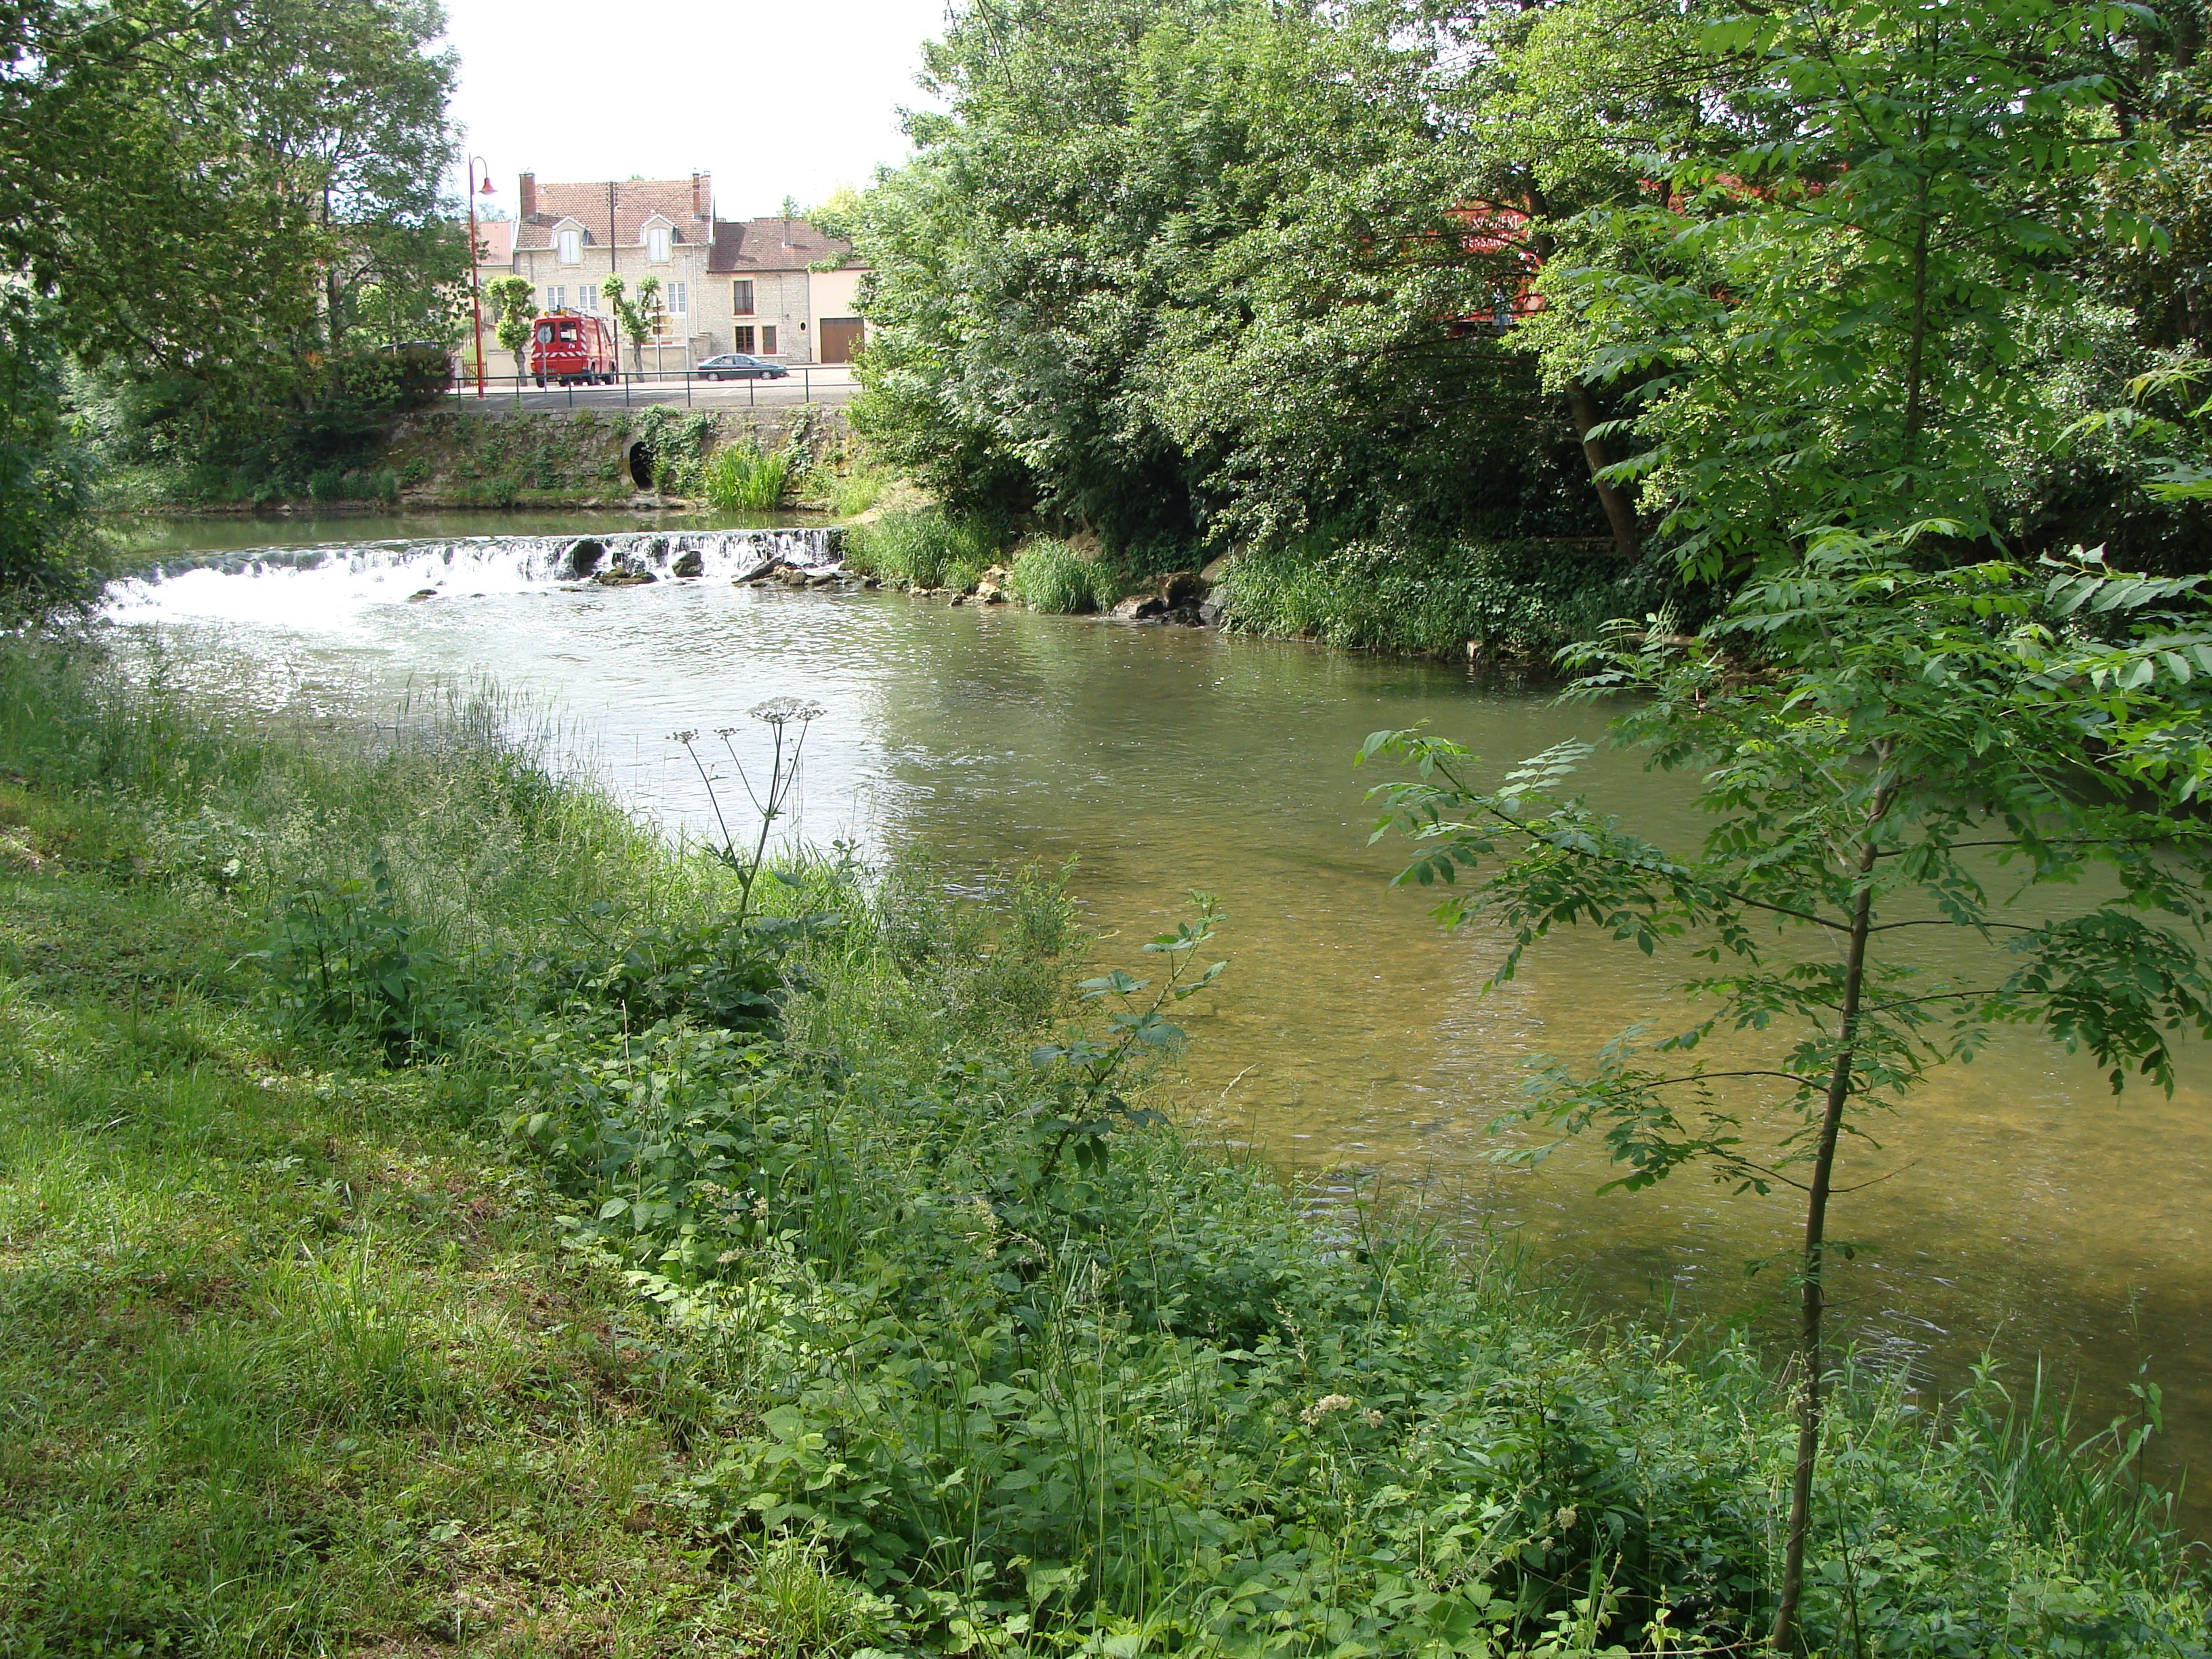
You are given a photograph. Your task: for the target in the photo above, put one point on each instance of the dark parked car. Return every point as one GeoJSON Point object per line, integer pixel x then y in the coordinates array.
{"type": "Point", "coordinates": [735, 366]}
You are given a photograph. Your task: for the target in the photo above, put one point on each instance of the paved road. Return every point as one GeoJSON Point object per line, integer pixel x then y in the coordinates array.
{"type": "Point", "coordinates": [831, 384]}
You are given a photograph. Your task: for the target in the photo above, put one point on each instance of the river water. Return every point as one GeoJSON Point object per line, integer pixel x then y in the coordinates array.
{"type": "Point", "coordinates": [2016, 1208]}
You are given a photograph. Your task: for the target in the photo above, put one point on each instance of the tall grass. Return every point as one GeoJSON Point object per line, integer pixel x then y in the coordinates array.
{"type": "Point", "coordinates": [849, 493]}
{"type": "Point", "coordinates": [490, 846]}
{"type": "Point", "coordinates": [919, 1386]}
{"type": "Point", "coordinates": [922, 548]}
{"type": "Point", "coordinates": [1048, 575]}
{"type": "Point", "coordinates": [279, 1284]}
{"type": "Point", "coordinates": [741, 476]}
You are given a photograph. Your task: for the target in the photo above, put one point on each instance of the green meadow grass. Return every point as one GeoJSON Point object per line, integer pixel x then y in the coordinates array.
{"type": "Point", "coordinates": [291, 1367]}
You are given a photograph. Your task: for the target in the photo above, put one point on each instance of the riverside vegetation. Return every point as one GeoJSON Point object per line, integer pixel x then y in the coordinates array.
{"type": "Point", "coordinates": [435, 1215]}
{"type": "Point", "coordinates": [1487, 323]}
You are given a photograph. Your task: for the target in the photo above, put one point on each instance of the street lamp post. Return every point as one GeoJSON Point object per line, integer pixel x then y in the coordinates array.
{"type": "Point", "coordinates": [476, 299]}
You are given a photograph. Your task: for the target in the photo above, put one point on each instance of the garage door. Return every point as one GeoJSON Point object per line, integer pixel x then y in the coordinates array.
{"type": "Point", "coordinates": [841, 338]}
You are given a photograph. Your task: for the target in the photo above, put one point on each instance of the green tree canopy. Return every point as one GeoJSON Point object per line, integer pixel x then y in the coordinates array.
{"type": "Point", "coordinates": [223, 207]}
{"type": "Point", "coordinates": [1176, 269]}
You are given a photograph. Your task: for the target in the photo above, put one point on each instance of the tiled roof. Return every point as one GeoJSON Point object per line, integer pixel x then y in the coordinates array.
{"type": "Point", "coordinates": [736, 245]}
{"type": "Point", "coordinates": [635, 200]}
{"type": "Point", "coordinates": [743, 245]}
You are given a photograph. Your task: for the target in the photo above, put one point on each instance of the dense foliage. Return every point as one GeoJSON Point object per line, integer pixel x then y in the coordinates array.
{"type": "Point", "coordinates": [229, 222]}
{"type": "Point", "coordinates": [1169, 271]}
{"type": "Point", "coordinates": [1454, 283]}
{"type": "Point", "coordinates": [48, 559]}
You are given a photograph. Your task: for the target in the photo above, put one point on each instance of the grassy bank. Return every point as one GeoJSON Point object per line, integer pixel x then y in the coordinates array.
{"type": "Point", "coordinates": [1516, 601]}
{"type": "Point", "coordinates": [431, 1220]}
{"type": "Point", "coordinates": [1490, 600]}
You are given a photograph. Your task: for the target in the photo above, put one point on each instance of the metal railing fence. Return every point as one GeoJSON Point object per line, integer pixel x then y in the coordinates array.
{"type": "Point", "coordinates": [828, 382]}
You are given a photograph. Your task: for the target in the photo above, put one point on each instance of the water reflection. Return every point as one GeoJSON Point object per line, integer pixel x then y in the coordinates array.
{"type": "Point", "coordinates": [1349, 1038]}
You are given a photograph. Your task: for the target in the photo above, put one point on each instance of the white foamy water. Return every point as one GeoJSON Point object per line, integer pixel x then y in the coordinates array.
{"type": "Point", "coordinates": [328, 584]}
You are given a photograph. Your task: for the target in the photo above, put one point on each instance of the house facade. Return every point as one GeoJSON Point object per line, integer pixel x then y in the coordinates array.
{"type": "Point", "coordinates": [495, 253]}
{"type": "Point", "coordinates": [726, 285]}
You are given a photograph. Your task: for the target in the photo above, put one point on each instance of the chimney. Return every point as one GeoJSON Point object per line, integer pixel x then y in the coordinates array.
{"type": "Point", "coordinates": [702, 196]}
{"type": "Point", "coordinates": [525, 197]}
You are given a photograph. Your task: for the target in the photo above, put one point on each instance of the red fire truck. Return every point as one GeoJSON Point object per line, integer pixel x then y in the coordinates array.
{"type": "Point", "coordinates": [568, 346]}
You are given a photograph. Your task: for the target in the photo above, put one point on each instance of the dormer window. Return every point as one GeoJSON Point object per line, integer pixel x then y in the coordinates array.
{"type": "Point", "coordinates": [656, 245]}
{"type": "Point", "coordinates": [572, 248]}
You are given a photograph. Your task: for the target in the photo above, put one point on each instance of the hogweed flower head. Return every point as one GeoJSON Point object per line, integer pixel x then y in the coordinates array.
{"type": "Point", "coordinates": [786, 711]}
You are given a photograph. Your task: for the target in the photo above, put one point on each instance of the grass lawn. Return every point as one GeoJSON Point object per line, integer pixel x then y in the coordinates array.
{"type": "Point", "coordinates": [294, 1365]}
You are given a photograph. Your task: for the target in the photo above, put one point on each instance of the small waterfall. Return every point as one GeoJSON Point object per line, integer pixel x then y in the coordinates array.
{"type": "Point", "coordinates": [494, 564]}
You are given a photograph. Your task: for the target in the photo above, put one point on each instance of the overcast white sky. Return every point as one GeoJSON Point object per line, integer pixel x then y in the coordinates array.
{"type": "Point", "coordinates": [774, 97]}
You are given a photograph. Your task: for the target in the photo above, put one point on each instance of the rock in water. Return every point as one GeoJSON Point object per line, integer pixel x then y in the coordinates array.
{"type": "Point", "coordinates": [1139, 607]}
{"type": "Point", "coordinates": [1182, 587]}
{"type": "Point", "coordinates": [624, 578]}
{"type": "Point", "coordinates": [422, 593]}
{"type": "Point", "coordinates": [691, 562]}
{"type": "Point", "coordinates": [587, 556]}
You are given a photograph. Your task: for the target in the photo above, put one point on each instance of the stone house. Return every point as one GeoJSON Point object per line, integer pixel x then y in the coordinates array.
{"type": "Point", "coordinates": [726, 285]}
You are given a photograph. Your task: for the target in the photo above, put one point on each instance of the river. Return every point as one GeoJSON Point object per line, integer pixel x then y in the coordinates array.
{"type": "Point", "coordinates": [2019, 1207]}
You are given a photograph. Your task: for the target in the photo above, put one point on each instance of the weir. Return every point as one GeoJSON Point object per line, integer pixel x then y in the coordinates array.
{"type": "Point", "coordinates": [490, 564]}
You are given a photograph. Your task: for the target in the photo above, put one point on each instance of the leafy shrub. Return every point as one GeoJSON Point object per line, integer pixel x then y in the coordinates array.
{"type": "Point", "coordinates": [740, 477]}
{"type": "Point", "coordinates": [387, 378]}
{"type": "Point", "coordinates": [918, 549]}
{"type": "Point", "coordinates": [343, 956]}
{"type": "Point", "coordinates": [1134, 1389]}
{"type": "Point", "coordinates": [1504, 597]}
{"type": "Point", "coordinates": [726, 974]}
{"type": "Point", "coordinates": [1048, 574]}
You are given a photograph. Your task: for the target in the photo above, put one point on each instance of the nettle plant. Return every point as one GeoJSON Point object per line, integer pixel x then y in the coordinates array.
{"type": "Point", "coordinates": [345, 955]}
{"type": "Point", "coordinates": [2012, 756]}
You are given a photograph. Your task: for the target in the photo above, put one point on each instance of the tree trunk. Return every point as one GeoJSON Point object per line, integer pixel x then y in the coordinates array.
{"type": "Point", "coordinates": [1811, 1302]}
{"type": "Point", "coordinates": [1618, 512]}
